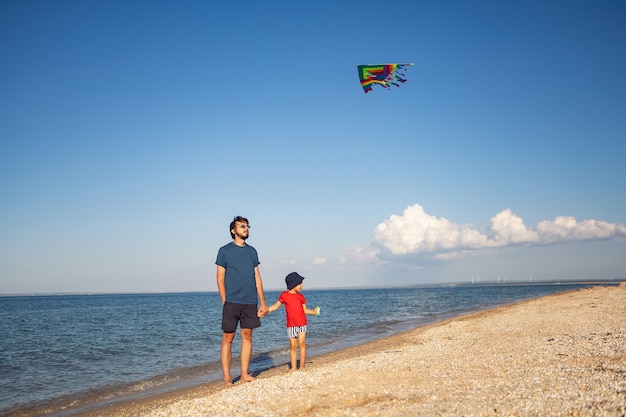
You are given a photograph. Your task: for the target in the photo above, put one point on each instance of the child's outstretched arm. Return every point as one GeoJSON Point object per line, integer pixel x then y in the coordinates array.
{"type": "Point", "coordinates": [315, 311]}
{"type": "Point", "coordinates": [275, 306]}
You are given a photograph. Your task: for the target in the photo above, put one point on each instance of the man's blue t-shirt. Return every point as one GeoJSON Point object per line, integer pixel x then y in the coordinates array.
{"type": "Point", "coordinates": [239, 262]}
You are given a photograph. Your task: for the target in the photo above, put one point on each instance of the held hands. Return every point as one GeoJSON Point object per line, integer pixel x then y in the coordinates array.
{"type": "Point", "coordinates": [263, 311]}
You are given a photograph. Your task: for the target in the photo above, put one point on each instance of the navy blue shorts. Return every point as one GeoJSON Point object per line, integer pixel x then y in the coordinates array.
{"type": "Point", "coordinates": [243, 314]}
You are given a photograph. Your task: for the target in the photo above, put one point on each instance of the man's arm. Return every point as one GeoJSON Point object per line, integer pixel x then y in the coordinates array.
{"type": "Point", "coordinates": [221, 287]}
{"type": "Point", "coordinates": [263, 310]}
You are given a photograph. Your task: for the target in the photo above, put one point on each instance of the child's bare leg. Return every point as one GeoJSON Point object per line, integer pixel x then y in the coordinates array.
{"type": "Point", "coordinates": [302, 347]}
{"type": "Point", "coordinates": [293, 354]}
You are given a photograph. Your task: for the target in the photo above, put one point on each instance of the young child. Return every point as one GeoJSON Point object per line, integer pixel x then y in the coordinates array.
{"type": "Point", "coordinates": [296, 309]}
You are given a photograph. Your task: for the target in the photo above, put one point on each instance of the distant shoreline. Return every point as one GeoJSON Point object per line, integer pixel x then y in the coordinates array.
{"type": "Point", "coordinates": [615, 281]}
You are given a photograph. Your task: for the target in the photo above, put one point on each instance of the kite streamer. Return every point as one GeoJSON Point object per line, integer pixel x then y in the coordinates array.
{"type": "Point", "coordinates": [384, 75]}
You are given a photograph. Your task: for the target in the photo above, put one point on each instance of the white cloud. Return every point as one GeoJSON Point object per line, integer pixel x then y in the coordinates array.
{"type": "Point", "coordinates": [566, 228]}
{"type": "Point", "coordinates": [319, 261]}
{"type": "Point", "coordinates": [416, 231]}
{"type": "Point", "coordinates": [359, 255]}
{"type": "Point", "coordinates": [507, 228]}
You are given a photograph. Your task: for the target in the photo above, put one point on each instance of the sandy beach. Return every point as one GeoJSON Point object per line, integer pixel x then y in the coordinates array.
{"type": "Point", "coordinates": [560, 355]}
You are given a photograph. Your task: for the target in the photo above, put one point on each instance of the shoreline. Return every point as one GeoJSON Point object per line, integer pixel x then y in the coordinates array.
{"type": "Point", "coordinates": [433, 369]}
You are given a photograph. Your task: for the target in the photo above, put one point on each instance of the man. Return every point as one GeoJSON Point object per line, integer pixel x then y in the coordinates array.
{"type": "Point", "coordinates": [239, 284]}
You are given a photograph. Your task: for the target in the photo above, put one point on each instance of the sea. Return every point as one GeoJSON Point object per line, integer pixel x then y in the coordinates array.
{"type": "Point", "coordinates": [63, 354]}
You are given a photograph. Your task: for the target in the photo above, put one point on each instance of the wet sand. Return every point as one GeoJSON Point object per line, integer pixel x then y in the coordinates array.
{"type": "Point", "coordinates": [560, 355]}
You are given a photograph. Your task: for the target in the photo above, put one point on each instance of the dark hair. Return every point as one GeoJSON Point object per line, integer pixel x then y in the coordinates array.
{"type": "Point", "coordinates": [232, 224]}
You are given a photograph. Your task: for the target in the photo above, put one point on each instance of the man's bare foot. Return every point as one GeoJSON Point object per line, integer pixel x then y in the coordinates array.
{"type": "Point", "coordinates": [228, 383]}
{"type": "Point", "coordinates": [292, 370]}
{"type": "Point", "coordinates": [247, 378]}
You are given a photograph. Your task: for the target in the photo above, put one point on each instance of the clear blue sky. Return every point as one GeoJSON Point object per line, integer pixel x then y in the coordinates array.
{"type": "Point", "coordinates": [132, 132]}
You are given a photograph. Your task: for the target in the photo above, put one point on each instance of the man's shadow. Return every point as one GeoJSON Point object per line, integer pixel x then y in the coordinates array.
{"type": "Point", "coordinates": [261, 363]}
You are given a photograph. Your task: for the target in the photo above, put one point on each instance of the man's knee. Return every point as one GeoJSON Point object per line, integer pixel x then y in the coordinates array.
{"type": "Point", "coordinates": [228, 338]}
{"type": "Point", "coordinates": [246, 334]}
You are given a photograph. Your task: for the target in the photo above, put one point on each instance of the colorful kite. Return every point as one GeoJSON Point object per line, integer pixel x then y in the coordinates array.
{"type": "Point", "coordinates": [384, 75]}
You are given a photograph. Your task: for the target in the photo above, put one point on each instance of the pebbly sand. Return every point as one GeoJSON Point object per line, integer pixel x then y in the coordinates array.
{"type": "Point", "coordinates": [560, 355]}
